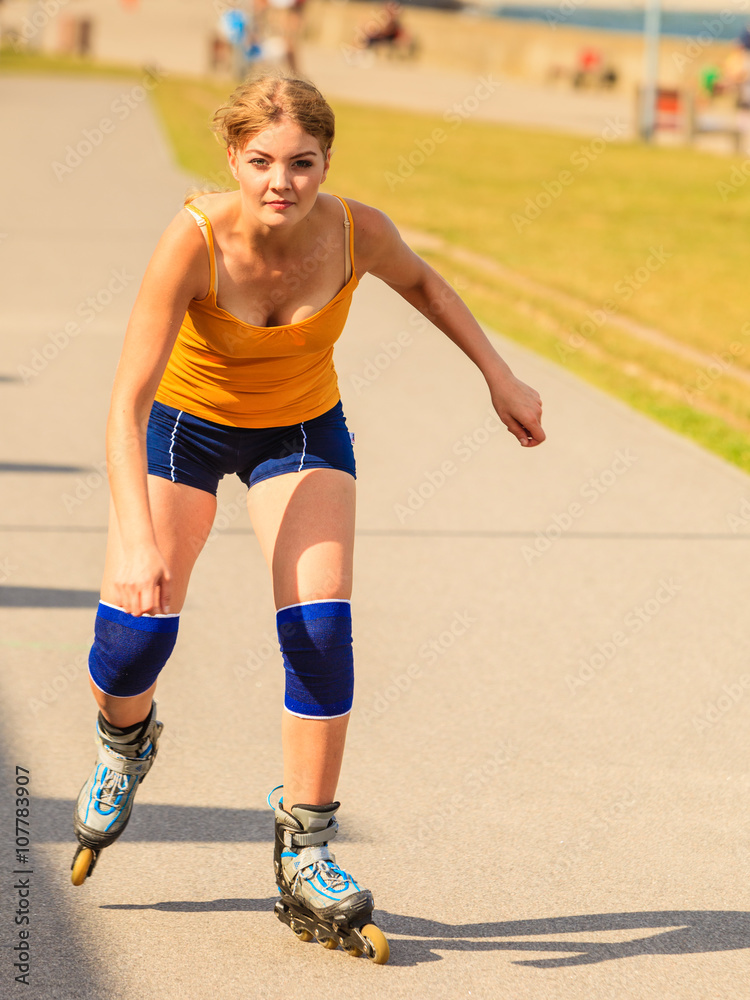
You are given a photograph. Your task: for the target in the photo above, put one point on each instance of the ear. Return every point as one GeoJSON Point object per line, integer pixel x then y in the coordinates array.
{"type": "Point", "coordinates": [326, 165]}
{"type": "Point", "coordinates": [232, 159]}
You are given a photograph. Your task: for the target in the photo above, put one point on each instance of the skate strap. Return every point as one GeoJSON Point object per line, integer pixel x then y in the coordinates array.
{"type": "Point", "coordinates": [319, 863]}
{"type": "Point", "coordinates": [311, 856]}
{"type": "Point", "coordinates": [294, 839]}
{"type": "Point", "coordinates": [121, 764]}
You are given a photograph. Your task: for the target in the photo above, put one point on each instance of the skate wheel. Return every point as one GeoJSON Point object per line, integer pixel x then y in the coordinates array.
{"type": "Point", "coordinates": [303, 934]}
{"type": "Point", "coordinates": [378, 942]}
{"type": "Point", "coordinates": [330, 943]}
{"type": "Point", "coordinates": [354, 952]}
{"type": "Point", "coordinates": [81, 865]}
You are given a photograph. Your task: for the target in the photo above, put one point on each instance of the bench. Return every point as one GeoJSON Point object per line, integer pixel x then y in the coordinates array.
{"type": "Point", "coordinates": [676, 111]}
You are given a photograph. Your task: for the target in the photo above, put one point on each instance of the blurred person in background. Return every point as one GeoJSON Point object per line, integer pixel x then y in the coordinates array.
{"type": "Point", "coordinates": [285, 19]}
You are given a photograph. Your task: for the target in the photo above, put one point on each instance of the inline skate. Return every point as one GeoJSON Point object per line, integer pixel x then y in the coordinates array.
{"type": "Point", "coordinates": [317, 898]}
{"type": "Point", "coordinates": [106, 799]}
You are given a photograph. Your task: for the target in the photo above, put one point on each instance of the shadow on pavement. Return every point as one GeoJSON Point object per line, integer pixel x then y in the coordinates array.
{"type": "Point", "coordinates": [47, 597]}
{"type": "Point", "coordinates": [393, 533]}
{"type": "Point", "coordinates": [165, 823]}
{"type": "Point", "coordinates": [201, 906]}
{"type": "Point", "coordinates": [680, 932]}
{"type": "Point", "coordinates": [36, 467]}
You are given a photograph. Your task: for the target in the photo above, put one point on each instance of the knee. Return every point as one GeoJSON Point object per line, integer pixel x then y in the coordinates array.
{"type": "Point", "coordinates": [129, 652]}
{"type": "Point", "coordinates": [316, 644]}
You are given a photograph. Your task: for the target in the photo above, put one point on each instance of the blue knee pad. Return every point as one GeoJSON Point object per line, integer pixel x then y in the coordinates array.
{"type": "Point", "coordinates": [128, 651]}
{"type": "Point", "coordinates": [316, 643]}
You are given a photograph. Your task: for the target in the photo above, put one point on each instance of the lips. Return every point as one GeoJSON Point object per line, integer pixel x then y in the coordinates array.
{"type": "Point", "coordinates": [279, 204]}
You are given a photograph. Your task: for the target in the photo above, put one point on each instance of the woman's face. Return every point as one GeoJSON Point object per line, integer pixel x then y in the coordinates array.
{"type": "Point", "coordinates": [279, 172]}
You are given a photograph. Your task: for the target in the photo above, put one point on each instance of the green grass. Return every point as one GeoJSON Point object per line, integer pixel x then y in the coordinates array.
{"type": "Point", "coordinates": [186, 108]}
{"type": "Point", "coordinates": [593, 236]}
{"type": "Point", "coordinates": [12, 61]}
{"type": "Point", "coordinates": [598, 230]}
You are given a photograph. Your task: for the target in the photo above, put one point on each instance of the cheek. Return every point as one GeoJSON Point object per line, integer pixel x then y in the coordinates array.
{"type": "Point", "coordinates": [313, 179]}
{"type": "Point", "coordinates": [250, 179]}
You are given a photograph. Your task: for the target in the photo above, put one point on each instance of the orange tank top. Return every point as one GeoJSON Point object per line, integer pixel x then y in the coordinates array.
{"type": "Point", "coordinates": [242, 375]}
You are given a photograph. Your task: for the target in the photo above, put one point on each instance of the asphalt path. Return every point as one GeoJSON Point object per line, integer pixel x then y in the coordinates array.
{"type": "Point", "coordinates": [546, 777]}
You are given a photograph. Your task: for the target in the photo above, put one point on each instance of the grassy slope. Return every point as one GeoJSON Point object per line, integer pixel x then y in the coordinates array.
{"type": "Point", "coordinates": [30, 62]}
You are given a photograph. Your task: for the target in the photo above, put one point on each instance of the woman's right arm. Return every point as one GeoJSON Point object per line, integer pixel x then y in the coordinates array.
{"type": "Point", "coordinates": [177, 272]}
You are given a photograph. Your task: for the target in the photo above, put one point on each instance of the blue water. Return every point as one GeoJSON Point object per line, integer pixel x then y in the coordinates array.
{"type": "Point", "coordinates": [681, 23]}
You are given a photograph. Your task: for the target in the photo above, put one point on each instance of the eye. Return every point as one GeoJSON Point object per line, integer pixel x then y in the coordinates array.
{"type": "Point", "coordinates": [303, 163]}
{"type": "Point", "coordinates": [258, 161]}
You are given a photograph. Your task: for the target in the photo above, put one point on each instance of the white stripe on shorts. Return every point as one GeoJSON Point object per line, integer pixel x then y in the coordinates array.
{"type": "Point", "coordinates": [171, 446]}
{"type": "Point", "coordinates": [304, 446]}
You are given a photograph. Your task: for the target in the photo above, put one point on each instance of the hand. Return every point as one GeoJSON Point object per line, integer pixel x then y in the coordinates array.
{"type": "Point", "coordinates": [143, 582]}
{"type": "Point", "coordinates": [520, 409]}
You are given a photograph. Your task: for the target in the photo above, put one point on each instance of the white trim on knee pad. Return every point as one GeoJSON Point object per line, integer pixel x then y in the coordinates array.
{"type": "Point", "coordinates": [117, 607]}
{"type": "Point", "coordinates": [318, 600]}
{"type": "Point", "coordinates": [316, 718]}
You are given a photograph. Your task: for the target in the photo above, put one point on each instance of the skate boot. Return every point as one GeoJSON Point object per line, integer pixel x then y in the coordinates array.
{"type": "Point", "coordinates": [318, 899]}
{"type": "Point", "coordinates": [106, 799]}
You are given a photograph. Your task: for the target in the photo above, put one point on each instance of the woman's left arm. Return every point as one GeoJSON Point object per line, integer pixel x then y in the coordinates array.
{"type": "Point", "coordinates": [380, 250]}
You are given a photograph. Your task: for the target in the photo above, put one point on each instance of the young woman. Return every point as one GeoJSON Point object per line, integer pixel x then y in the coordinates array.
{"type": "Point", "coordinates": [227, 368]}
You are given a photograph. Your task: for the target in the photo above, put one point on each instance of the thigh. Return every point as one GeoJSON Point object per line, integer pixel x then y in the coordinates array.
{"type": "Point", "coordinates": [304, 523]}
{"type": "Point", "coordinates": [182, 517]}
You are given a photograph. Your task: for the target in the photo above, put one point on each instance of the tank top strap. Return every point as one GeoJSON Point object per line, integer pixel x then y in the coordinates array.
{"type": "Point", "coordinates": [208, 235]}
{"type": "Point", "coordinates": [348, 225]}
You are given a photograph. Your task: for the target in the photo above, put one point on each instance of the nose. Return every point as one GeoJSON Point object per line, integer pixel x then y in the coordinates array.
{"type": "Point", "coordinates": [279, 179]}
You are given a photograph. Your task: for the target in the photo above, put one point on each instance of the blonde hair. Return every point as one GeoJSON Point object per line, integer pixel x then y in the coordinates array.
{"type": "Point", "coordinates": [258, 104]}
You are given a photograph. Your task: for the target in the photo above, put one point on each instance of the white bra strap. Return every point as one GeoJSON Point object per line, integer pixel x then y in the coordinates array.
{"type": "Point", "coordinates": [201, 220]}
{"type": "Point", "coordinates": [347, 249]}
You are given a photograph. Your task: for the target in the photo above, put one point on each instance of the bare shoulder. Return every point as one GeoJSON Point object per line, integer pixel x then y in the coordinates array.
{"type": "Point", "coordinates": [180, 258]}
{"type": "Point", "coordinates": [219, 206]}
{"type": "Point", "coordinates": [370, 223]}
{"type": "Point", "coordinates": [182, 234]}
{"type": "Point", "coordinates": [375, 235]}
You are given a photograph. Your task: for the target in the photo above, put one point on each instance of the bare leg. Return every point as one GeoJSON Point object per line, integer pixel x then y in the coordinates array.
{"type": "Point", "coordinates": [313, 752]}
{"type": "Point", "coordinates": [305, 525]}
{"type": "Point", "coordinates": [182, 518]}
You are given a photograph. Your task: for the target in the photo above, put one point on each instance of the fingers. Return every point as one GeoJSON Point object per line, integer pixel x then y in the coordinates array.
{"type": "Point", "coordinates": [137, 600]}
{"type": "Point", "coordinates": [534, 434]}
{"type": "Point", "coordinates": [150, 602]}
{"type": "Point", "coordinates": [151, 595]}
{"type": "Point", "coordinates": [527, 430]}
{"type": "Point", "coordinates": [529, 434]}
{"type": "Point", "coordinates": [520, 409]}
{"type": "Point", "coordinates": [165, 592]}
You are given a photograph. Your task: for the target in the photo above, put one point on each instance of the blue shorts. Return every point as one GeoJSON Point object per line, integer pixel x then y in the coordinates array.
{"type": "Point", "coordinates": [197, 452]}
